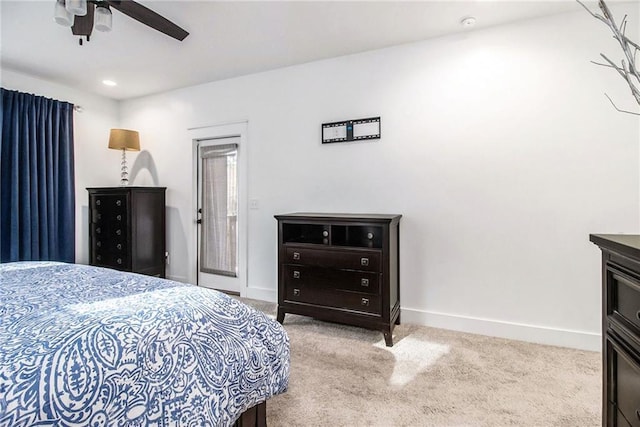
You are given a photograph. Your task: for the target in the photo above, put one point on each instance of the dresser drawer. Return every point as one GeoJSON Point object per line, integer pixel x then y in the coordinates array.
{"type": "Point", "coordinates": [108, 231]}
{"type": "Point", "coordinates": [109, 243]}
{"type": "Point", "coordinates": [112, 260]}
{"type": "Point", "coordinates": [339, 259]}
{"type": "Point", "coordinates": [109, 204]}
{"type": "Point", "coordinates": [105, 244]}
{"type": "Point", "coordinates": [326, 278]}
{"type": "Point", "coordinates": [624, 299]}
{"type": "Point", "coordinates": [626, 375]}
{"type": "Point", "coordinates": [355, 301]}
{"type": "Point", "coordinates": [116, 264]}
{"type": "Point", "coordinates": [113, 220]}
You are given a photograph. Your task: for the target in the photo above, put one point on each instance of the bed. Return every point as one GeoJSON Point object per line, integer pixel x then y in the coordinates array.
{"type": "Point", "coordinates": [82, 345]}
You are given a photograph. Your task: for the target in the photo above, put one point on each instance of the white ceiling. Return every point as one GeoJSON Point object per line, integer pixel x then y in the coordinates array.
{"type": "Point", "coordinates": [231, 38]}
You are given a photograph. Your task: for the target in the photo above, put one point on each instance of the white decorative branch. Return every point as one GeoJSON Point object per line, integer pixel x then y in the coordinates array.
{"type": "Point", "coordinates": [628, 68]}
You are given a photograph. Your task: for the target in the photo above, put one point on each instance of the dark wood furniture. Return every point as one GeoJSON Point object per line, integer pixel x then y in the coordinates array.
{"type": "Point", "coordinates": [256, 416]}
{"type": "Point", "coordinates": [620, 328]}
{"type": "Point", "coordinates": [127, 229]}
{"type": "Point", "coordinates": [341, 268]}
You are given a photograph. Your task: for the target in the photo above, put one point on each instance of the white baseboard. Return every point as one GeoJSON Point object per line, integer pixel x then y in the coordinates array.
{"type": "Point", "coordinates": [496, 328]}
{"type": "Point", "coordinates": [178, 279]}
{"type": "Point", "coordinates": [261, 294]}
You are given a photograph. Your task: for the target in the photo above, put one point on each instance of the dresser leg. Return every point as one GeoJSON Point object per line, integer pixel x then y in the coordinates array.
{"type": "Point", "coordinates": [280, 317]}
{"type": "Point", "coordinates": [388, 338]}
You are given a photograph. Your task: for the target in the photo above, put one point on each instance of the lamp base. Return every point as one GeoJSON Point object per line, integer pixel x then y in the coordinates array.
{"type": "Point", "coordinates": [124, 174]}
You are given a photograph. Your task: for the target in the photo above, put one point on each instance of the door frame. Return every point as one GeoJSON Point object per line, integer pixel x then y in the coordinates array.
{"type": "Point", "coordinates": [224, 130]}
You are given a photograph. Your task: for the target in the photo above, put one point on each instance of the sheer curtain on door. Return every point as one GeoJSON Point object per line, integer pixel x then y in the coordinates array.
{"type": "Point", "coordinates": [219, 235]}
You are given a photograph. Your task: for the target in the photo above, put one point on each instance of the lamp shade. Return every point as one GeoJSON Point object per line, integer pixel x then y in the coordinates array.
{"type": "Point", "coordinates": [124, 139]}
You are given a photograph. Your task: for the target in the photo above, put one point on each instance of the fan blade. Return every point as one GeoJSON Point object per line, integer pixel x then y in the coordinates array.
{"type": "Point", "coordinates": [148, 17]}
{"type": "Point", "coordinates": [82, 25]}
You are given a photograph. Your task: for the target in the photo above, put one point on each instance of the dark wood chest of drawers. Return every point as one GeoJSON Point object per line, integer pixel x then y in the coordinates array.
{"type": "Point", "coordinates": [340, 267]}
{"type": "Point", "coordinates": [127, 229]}
{"type": "Point", "coordinates": [620, 328]}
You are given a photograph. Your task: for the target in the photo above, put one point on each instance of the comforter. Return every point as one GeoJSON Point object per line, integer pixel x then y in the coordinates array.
{"type": "Point", "coordinates": [82, 345]}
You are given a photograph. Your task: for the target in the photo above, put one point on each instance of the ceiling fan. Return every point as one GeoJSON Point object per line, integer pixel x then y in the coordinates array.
{"type": "Point", "coordinates": [85, 15]}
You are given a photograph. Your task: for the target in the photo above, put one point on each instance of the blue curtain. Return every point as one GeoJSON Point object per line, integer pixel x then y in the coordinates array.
{"type": "Point", "coordinates": [37, 189]}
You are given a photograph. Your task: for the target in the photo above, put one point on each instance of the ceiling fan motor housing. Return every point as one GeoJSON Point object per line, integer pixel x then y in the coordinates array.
{"type": "Point", "coordinates": [99, 11]}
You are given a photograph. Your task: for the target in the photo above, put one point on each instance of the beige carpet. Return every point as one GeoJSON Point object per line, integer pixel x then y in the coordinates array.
{"type": "Point", "coordinates": [345, 376]}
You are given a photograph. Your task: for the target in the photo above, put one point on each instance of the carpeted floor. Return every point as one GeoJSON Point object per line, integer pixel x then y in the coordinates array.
{"type": "Point", "coordinates": [345, 376]}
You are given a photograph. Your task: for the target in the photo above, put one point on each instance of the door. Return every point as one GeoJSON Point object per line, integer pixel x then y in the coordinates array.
{"type": "Point", "coordinates": [218, 210]}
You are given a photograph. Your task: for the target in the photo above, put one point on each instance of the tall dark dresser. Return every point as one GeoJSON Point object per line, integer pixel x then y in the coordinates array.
{"type": "Point", "coordinates": [127, 229]}
{"type": "Point", "coordinates": [620, 328]}
{"type": "Point", "coordinates": [341, 268]}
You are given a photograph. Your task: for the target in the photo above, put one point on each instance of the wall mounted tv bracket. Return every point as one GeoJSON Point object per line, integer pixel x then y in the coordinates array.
{"type": "Point", "coordinates": [351, 130]}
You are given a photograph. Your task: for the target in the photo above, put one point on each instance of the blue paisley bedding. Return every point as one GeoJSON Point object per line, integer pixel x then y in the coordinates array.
{"type": "Point", "coordinates": [84, 346]}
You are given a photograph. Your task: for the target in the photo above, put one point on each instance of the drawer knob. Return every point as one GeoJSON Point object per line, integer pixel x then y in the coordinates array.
{"type": "Point", "coordinates": [364, 261]}
{"type": "Point", "coordinates": [98, 230]}
{"type": "Point", "coordinates": [119, 260]}
{"type": "Point", "coordinates": [296, 255]}
{"type": "Point", "coordinates": [118, 232]}
{"type": "Point", "coordinates": [99, 243]}
{"type": "Point", "coordinates": [99, 257]}
{"type": "Point", "coordinates": [296, 292]}
{"type": "Point", "coordinates": [119, 246]}
{"type": "Point", "coordinates": [119, 217]}
{"type": "Point", "coordinates": [364, 282]}
{"type": "Point", "coordinates": [97, 202]}
{"type": "Point", "coordinates": [370, 236]}
{"type": "Point", "coordinates": [296, 274]}
{"type": "Point", "coordinates": [325, 233]}
{"type": "Point", "coordinates": [365, 301]}
{"type": "Point", "coordinates": [118, 202]}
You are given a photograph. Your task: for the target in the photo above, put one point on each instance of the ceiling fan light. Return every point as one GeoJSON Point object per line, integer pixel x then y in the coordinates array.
{"type": "Point", "coordinates": [61, 15]}
{"type": "Point", "coordinates": [103, 19]}
{"type": "Point", "coordinates": [77, 7]}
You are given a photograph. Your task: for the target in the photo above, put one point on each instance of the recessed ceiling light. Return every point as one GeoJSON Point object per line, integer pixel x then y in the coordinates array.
{"type": "Point", "coordinates": [109, 83]}
{"type": "Point", "coordinates": [467, 22]}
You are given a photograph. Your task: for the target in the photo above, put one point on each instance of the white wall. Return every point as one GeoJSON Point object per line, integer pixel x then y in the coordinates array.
{"type": "Point", "coordinates": [498, 148]}
{"type": "Point", "coordinates": [94, 165]}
